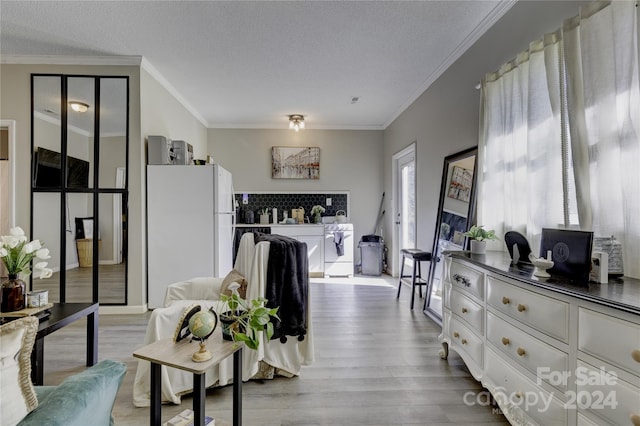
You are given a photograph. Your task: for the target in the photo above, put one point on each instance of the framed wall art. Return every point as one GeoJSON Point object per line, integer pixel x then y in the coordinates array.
{"type": "Point", "coordinates": [460, 187]}
{"type": "Point", "coordinates": [295, 162]}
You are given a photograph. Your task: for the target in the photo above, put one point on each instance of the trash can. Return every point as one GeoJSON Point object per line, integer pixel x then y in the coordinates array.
{"type": "Point", "coordinates": [371, 255]}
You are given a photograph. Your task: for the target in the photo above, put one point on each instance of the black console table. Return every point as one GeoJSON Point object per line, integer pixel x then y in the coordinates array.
{"type": "Point", "coordinates": [63, 314]}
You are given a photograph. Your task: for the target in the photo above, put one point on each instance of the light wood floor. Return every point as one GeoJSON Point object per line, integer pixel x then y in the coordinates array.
{"type": "Point", "coordinates": [79, 284]}
{"type": "Point", "coordinates": [376, 363]}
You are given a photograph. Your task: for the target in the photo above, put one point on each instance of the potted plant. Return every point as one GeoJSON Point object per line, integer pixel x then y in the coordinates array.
{"type": "Point", "coordinates": [479, 237]}
{"type": "Point", "coordinates": [316, 212]}
{"type": "Point", "coordinates": [244, 320]}
{"type": "Point", "coordinates": [16, 254]}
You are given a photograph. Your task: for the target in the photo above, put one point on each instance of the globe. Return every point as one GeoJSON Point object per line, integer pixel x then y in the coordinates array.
{"type": "Point", "coordinates": [203, 323]}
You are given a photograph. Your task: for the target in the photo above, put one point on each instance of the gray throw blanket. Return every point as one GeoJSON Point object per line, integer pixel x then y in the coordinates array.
{"type": "Point", "coordinates": [338, 239]}
{"type": "Point", "coordinates": [287, 284]}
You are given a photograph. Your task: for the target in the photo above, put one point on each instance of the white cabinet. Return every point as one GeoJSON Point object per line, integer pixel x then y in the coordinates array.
{"type": "Point", "coordinates": [338, 264]}
{"type": "Point", "coordinates": [547, 356]}
{"type": "Point", "coordinates": [313, 235]}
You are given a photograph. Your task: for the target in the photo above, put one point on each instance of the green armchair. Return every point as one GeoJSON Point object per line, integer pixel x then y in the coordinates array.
{"type": "Point", "coordinates": [83, 399]}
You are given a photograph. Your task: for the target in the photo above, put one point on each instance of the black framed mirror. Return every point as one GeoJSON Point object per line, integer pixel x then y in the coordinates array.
{"type": "Point", "coordinates": [79, 193]}
{"type": "Point", "coordinates": [456, 210]}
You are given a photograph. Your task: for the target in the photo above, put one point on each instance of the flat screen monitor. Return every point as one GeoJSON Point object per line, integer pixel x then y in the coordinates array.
{"type": "Point", "coordinates": [570, 252]}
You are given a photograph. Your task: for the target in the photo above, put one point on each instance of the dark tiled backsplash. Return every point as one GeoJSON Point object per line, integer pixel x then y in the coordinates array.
{"type": "Point", "coordinates": [291, 201]}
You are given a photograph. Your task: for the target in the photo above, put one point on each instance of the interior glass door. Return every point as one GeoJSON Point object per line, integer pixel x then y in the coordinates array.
{"type": "Point", "coordinates": [406, 201]}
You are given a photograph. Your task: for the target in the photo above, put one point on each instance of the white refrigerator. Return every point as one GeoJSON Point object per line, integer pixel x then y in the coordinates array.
{"type": "Point", "coordinates": [190, 225]}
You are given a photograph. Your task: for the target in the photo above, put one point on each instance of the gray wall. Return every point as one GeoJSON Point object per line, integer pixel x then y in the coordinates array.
{"type": "Point", "coordinates": [445, 119]}
{"type": "Point", "coordinates": [160, 114]}
{"type": "Point", "coordinates": [15, 96]}
{"type": "Point", "coordinates": [350, 160]}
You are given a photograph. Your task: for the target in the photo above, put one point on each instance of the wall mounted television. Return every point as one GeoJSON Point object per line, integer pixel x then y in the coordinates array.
{"type": "Point", "coordinates": [47, 170]}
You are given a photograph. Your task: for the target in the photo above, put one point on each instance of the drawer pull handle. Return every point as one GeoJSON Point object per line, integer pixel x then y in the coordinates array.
{"type": "Point", "coordinates": [505, 341]}
{"type": "Point", "coordinates": [521, 351]}
{"type": "Point", "coordinates": [465, 310]}
{"type": "Point", "coordinates": [635, 354]}
{"type": "Point", "coordinates": [462, 280]}
{"type": "Point", "coordinates": [456, 334]}
{"type": "Point", "coordinates": [521, 307]}
{"type": "Point", "coordinates": [635, 419]}
{"type": "Point", "coordinates": [464, 341]}
{"type": "Point", "coordinates": [505, 300]}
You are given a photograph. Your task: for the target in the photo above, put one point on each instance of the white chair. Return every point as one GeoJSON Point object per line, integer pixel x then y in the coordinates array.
{"type": "Point", "coordinates": [271, 358]}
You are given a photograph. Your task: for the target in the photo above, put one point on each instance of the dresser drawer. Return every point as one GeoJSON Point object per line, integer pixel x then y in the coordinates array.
{"type": "Point", "coordinates": [583, 420]}
{"type": "Point", "coordinates": [515, 391]}
{"type": "Point", "coordinates": [610, 339]}
{"type": "Point", "coordinates": [607, 396]}
{"type": "Point", "coordinates": [540, 312]}
{"type": "Point", "coordinates": [468, 310]}
{"type": "Point", "coordinates": [467, 279]}
{"type": "Point", "coordinates": [528, 351]}
{"type": "Point", "coordinates": [467, 341]}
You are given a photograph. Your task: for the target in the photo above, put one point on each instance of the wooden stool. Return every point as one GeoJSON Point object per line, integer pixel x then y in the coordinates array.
{"type": "Point", "coordinates": [417, 256]}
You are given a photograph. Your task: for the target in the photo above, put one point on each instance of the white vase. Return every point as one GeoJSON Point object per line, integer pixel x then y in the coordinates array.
{"type": "Point", "coordinates": [478, 247]}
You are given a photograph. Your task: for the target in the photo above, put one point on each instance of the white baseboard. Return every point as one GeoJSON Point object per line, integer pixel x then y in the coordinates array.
{"type": "Point", "coordinates": [69, 266]}
{"type": "Point", "coordinates": [122, 310]}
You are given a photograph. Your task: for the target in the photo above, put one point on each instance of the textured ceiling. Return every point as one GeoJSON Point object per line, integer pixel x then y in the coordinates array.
{"type": "Point", "coordinates": [248, 64]}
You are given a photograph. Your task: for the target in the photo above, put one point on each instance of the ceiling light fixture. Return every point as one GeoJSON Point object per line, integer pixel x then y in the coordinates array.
{"type": "Point", "coordinates": [78, 106]}
{"type": "Point", "coordinates": [296, 122]}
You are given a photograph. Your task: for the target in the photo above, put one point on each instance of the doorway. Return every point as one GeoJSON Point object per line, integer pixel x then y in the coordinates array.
{"type": "Point", "coordinates": [404, 164]}
{"type": "Point", "coordinates": [7, 180]}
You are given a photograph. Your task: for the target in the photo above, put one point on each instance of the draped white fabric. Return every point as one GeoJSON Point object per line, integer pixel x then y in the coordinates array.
{"type": "Point", "coordinates": [523, 139]}
{"type": "Point", "coordinates": [521, 149]}
{"type": "Point", "coordinates": [603, 100]}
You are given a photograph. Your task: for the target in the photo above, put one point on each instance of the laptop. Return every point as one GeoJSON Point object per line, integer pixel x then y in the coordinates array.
{"type": "Point", "coordinates": [570, 252]}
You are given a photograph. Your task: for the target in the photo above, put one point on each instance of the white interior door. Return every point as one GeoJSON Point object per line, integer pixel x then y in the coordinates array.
{"type": "Point", "coordinates": [117, 217]}
{"type": "Point", "coordinates": [7, 180]}
{"type": "Point", "coordinates": [405, 200]}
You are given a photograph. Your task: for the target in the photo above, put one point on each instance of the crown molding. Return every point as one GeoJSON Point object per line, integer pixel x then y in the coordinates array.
{"type": "Point", "coordinates": [285, 126]}
{"type": "Point", "coordinates": [138, 61]}
{"type": "Point", "coordinates": [56, 121]}
{"type": "Point", "coordinates": [496, 13]}
{"type": "Point", "coordinates": [148, 67]}
{"type": "Point", "coordinates": [71, 60]}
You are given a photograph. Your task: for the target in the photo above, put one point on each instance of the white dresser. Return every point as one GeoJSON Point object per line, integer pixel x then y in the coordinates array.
{"type": "Point", "coordinates": [550, 353]}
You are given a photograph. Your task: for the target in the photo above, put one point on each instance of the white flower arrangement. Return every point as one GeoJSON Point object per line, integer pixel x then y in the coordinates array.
{"type": "Point", "coordinates": [317, 210]}
{"type": "Point", "coordinates": [16, 254]}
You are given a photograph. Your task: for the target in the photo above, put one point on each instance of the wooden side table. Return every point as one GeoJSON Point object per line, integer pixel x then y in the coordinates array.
{"type": "Point", "coordinates": [178, 355]}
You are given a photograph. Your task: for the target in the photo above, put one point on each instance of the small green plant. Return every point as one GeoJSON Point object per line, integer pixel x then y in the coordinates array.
{"type": "Point", "coordinates": [480, 234]}
{"type": "Point", "coordinates": [248, 318]}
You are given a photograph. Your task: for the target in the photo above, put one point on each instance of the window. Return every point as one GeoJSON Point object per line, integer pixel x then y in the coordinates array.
{"type": "Point", "coordinates": [560, 143]}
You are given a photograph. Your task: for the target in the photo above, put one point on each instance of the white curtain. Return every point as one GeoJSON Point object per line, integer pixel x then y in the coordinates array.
{"type": "Point", "coordinates": [521, 149]}
{"type": "Point", "coordinates": [560, 133]}
{"type": "Point", "coordinates": [603, 100]}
